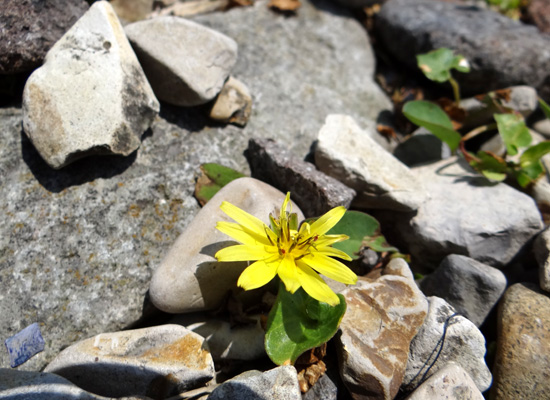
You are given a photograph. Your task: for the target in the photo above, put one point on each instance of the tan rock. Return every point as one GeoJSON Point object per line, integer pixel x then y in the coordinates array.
{"type": "Point", "coordinates": [132, 10]}
{"type": "Point", "coordinates": [233, 104]}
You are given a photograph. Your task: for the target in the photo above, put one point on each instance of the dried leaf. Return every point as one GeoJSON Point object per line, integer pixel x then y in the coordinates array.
{"type": "Point", "coordinates": [285, 5]}
{"type": "Point", "coordinates": [387, 131]}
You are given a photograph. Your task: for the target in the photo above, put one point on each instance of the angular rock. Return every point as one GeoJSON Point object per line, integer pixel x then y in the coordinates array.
{"type": "Point", "coordinates": [449, 383]}
{"type": "Point", "coordinates": [189, 278]}
{"type": "Point", "coordinates": [471, 287]}
{"type": "Point", "coordinates": [29, 29]}
{"type": "Point", "coordinates": [324, 389]}
{"type": "Point", "coordinates": [384, 313]}
{"type": "Point", "coordinates": [446, 336]}
{"type": "Point", "coordinates": [464, 214]}
{"type": "Point", "coordinates": [495, 45]}
{"type": "Point", "coordinates": [233, 104]}
{"type": "Point", "coordinates": [420, 148]}
{"type": "Point", "coordinates": [523, 345]}
{"type": "Point", "coordinates": [541, 248]}
{"type": "Point", "coordinates": [315, 192]}
{"type": "Point", "coordinates": [198, 73]}
{"type": "Point", "coordinates": [348, 153]}
{"type": "Point", "coordinates": [158, 362]}
{"type": "Point", "coordinates": [278, 383]}
{"type": "Point", "coordinates": [24, 345]}
{"type": "Point", "coordinates": [90, 96]}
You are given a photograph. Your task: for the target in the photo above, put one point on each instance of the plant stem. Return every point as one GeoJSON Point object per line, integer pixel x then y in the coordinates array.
{"type": "Point", "coordinates": [476, 131]}
{"type": "Point", "coordinates": [456, 90]}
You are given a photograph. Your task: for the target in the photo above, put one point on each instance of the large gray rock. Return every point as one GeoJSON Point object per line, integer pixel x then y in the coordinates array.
{"type": "Point", "coordinates": [78, 245]}
{"type": "Point", "coordinates": [495, 45]}
{"type": "Point", "coordinates": [186, 63]}
{"type": "Point", "coordinates": [91, 95]}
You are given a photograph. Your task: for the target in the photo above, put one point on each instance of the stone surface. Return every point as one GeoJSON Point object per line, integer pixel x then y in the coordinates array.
{"type": "Point", "coordinates": [420, 148]}
{"type": "Point", "coordinates": [347, 153]}
{"type": "Point", "coordinates": [541, 248]}
{"type": "Point", "coordinates": [78, 245]}
{"type": "Point", "coordinates": [313, 191]}
{"type": "Point", "coordinates": [465, 214]}
{"type": "Point", "coordinates": [522, 361]}
{"type": "Point", "coordinates": [189, 278]}
{"type": "Point", "coordinates": [496, 46]}
{"type": "Point", "coordinates": [384, 313]}
{"type": "Point", "coordinates": [445, 337]}
{"type": "Point", "coordinates": [30, 28]}
{"type": "Point", "coordinates": [471, 287]}
{"type": "Point", "coordinates": [197, 75]}
{"type": "Point", "coordinates": [449, 383]}
{"type": "Point", "coordinates": [158, 362]}
{"type": "Point", "coordinates": [90, 96]}
{"type": "Point", "coordinates": [132, 10]}
{"type": "Point", "coordinates": [278, 383]}
{"type": "Point", "coordinates": [543, 127]}
{"type": "Point", "coordinates": [538, 11]}
{"type": "Point", "coordinates": [324, 389]}
{"type": "Point", "coordinates": [233, 104]}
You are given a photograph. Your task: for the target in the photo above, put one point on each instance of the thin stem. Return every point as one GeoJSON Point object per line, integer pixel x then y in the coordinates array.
{"type": "Point", "coordinates": [478, 130]}
{"type": "Point", "coordinates": [456, 90]}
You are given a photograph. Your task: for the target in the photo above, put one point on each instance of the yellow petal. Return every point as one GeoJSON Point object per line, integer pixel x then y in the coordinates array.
{"type": "Point", "coordinates": [327, 240]}
{"type": "Point", "coordinates": [241, 234]}
{"type": "Point", "coordinates": [327, 221]}
{"type": "Point", "coordinates": [287, 273]}
{"type": "Point", "coordinates": [332, 252]}
{"type": "Point", "coordinates": [248, 221]}
{"type": "Point", "coordinates": [241, 252]}
{"type": "Point", "coordinates": [284, 206]}
{"type": "Point", "coordinates": [315, 286]}
{"type": "Point", "coordinates": [258, 274]}
{"type": "Point", "coordinates": [330, 267]}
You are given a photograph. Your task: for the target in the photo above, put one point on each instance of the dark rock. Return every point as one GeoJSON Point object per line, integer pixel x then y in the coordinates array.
{"type": "Point", "coordinates": [313, 191]}
{"type": "Point", "coordinates": [420, 148]}
{"type": "Point", "coordinates": [538, 11]}
{"type": "Point", "coordinates": [29, 28]}
{"type": "Point", "coordinates": [323, 389]}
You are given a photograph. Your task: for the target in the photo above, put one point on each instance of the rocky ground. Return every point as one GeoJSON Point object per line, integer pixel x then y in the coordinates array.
{"type": "Point", "coordinates": [106, 256]}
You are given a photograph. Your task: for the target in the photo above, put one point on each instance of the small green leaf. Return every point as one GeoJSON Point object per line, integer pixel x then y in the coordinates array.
{"type": "Point", "coordinates": [212, 179]}
{"type": "Point", "coordinates": [437, 64]}
{"type": "Point", "coordinates": [534, 154]}
{"type": "Point", "coordinates": [545, 107]}
{"type": "Point", "coordinates": [433, 118]}
{"type": "Point", "coordinates": [513, 131]}
{"type": "Point", "coordinates": [297, 323]}
{"type": "Point", "coordinates": [493, 168]}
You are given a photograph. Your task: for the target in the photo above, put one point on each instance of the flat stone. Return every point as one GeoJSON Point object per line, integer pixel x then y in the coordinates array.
{"type": "Point", "coordinates": [471, 287]}
{"type": "Point", "coordinates": [446, 336]}
{"type": "Point", "coordinates": [190, 278]}
{"type": "Point", "coordinates": [420, 148]}
{"type": "Point", "coordinates": [496, 46]}
{"type": "Point", "coordinates": [233, 104]}
{"type": "Point", "coordinates": [449, 383]}
{"type": "Point", "coordinates": [278, 383]}
{"type": "Point", "coordinates": [347, 153]}
{"type": "Point", "coordinates": [197, 75]}
{"type": "Point", "coordinates": [90, 96]}
{"type": "Point", "coordinates": [384, 314]}
{"type": "Point", "coordinates": [29, 29]}
{"type": "Point", "coordinates": [159, 362]}
{"type": "Point", "coordinates": [522, 358]}
{"type": "Point", "coordinates": [541, 248]}
{"type": "Point", "coordinates": [314, 191]}
{"type": "Point", "coordinates": [24, 345]}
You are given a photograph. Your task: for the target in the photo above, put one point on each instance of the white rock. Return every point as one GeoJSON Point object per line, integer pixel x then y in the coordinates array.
{"type": "Point", "coordinates": [449, 383]}
{"type": "Point", "coordinates": [234, 103]}
{"type": "Point", "coordinates": [189, 278]}
{"type": "Point", "coordinates": [349, 154]}
{"type": "Point", "coordinates": [444, 337]}
{"type": "Point", "coordinates": [186, 63]}
{"type": "Point", "coordinates": [162, 360]}
{"type": "Point", "coordinates": [91, 95]}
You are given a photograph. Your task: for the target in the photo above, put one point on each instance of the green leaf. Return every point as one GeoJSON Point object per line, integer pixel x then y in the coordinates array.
{"type": "Point", "coordinates": [297, 323]}
{"type": "Point", "coordinates": [433, 118]}
{"type": "Point", "coordinates": [493, 168]}
{"type": "Point", "coordinates": [534, 154]}
{"type": "Point", "coordinates": [213, 178]}
{"type": "Point", "coordinates": [545, 107]}
{"type": "Point", "coordinates": [437, 64]}
{"type": "Point", "coordinates": [513, 131]}
{"type": "Point", "coordinates": [363, 230]}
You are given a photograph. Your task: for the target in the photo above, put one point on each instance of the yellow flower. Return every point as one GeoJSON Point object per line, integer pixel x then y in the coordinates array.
{"type": "Point", "coordinates": [288, 251]}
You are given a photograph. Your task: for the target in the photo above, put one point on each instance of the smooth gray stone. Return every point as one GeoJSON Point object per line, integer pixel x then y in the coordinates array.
{"type": "Point", "coordinates": [471, 287]}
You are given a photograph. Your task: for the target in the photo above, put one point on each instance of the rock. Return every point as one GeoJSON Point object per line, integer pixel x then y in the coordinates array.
{"type": "Point", "coordinates": [449, 383]}
{"type": "Point", "coordinates": [359, 3]}
{"type": "Point", "coordinates": [384, 313]}
{"type": "Point", "coordinates": [465, 214]}
{"type": "Point", "coordinates": [523, 346]}
{"type": "Point", "coordinates": [541, 248]}
{"type": "Point", "coordinates": [348, 153]}
{"type": "Point", "coordinates": [543, 127]}
{"type": "Point", "coordinates": [420, 148]}
{"type": "Point", "coordinates": [496, 46]}
{"type": "Point", "coordinates": [24, 345]}
{"type": "Point", "coordinates": [189, 278]}
{"type": "Point", "coordinates": [324, 389]}
{"type": "Point", "coordinates": [446, 337]}
{"type": "Point", "coordinates": [471, 287]}
{"type": "Point", "coordinates": [233, 104]}
{"type": "Point", "coordinates": [278, 383]}
{"type": "Point", "coordinates": [132, 10]}
{"type": "Point", "coordinates": [30, 28]}
{"type": "Point", "coordinates": [90, 96]}
{"type": "Point", "coordinates": [314, 192]}
{"type": "Point", "coordinates": [197, 75]}
{"type": "Point", "coordinates": [538, 11]}
{"type": "Point", "coordinates": [158, 362]}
